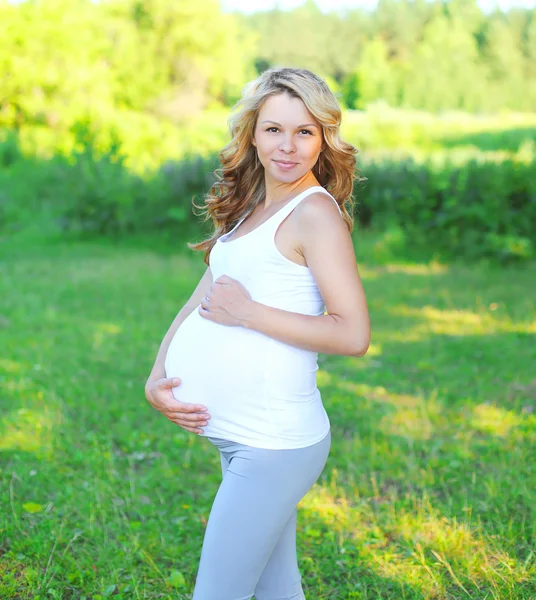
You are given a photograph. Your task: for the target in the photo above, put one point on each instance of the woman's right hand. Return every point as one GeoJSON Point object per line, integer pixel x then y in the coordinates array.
{"type": "Point", "coordinates": [190, 417]}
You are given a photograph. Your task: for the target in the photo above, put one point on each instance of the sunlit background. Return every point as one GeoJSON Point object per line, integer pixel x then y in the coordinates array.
{"type": "Point", "coordinates": [112, 114]}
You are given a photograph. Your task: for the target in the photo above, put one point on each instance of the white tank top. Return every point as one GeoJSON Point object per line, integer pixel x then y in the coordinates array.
{"type": "Point", "coordinates": [259, 391]}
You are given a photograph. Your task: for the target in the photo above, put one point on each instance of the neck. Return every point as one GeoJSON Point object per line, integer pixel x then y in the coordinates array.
{"type": "Point", "coordinates": [277, 192]}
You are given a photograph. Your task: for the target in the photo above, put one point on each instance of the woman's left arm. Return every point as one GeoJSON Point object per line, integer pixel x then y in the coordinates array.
{"type": "Point", "coordinates": [327, 247]}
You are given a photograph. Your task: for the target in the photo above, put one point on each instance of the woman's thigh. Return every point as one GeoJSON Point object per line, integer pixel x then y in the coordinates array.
{"type": "Point", "coordinates": [256, 499]}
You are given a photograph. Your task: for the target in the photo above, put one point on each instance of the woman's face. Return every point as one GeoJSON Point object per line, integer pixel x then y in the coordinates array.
{"type": "Point", "coordinates": [288, 138]}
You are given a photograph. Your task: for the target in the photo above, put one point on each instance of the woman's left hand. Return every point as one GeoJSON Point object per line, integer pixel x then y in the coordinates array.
{"type": "Point", "coordinates": [227, 303]}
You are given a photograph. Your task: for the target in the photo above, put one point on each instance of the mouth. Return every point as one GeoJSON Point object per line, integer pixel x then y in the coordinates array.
{"type": "Point", "coordinates": [285, 163]}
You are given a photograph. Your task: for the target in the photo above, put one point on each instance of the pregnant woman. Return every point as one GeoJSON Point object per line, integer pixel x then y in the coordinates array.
{"type": "Point", "coordinates": [238, 364]}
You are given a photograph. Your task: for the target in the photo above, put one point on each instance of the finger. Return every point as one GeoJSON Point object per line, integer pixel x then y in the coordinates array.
{"type": "Point", "coordinates": [169, 382]}
{"type": "Point", "coordinates": [172, 404]}
{"type": "Point", "coordinates": [184, 423]}
{"type": "Point", "coordinates": [191, 419]}
{"type": "Point", "coordinates": [207, 314]}
{"type": "Point", "coordinates": [186, 407]}
{"type": "Point", "coordinates": [197, 430]}
{"type": "Point", "coordinates": [188, 416]}
{"type": "Point", "coordinates": [203, 312]}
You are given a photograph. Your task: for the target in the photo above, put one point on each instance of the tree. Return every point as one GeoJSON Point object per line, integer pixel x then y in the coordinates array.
{"type": "Point", "coordinates": [374, 77]}
{"type": "Point", "coordinates": [445, 71]}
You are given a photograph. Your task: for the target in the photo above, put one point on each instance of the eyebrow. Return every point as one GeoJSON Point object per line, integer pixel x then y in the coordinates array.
{"type": "Point", "coordinates": [299, 126]}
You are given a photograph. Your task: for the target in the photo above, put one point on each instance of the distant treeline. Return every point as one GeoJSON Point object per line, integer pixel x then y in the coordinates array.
{"type": "Point", "coordinates": [431, 55]}
{"type": "Point", "coordinates": [61, 59]}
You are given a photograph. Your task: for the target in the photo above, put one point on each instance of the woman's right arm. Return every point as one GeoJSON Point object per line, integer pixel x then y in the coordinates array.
{"type": "Point", "coordinates": [159, 388]}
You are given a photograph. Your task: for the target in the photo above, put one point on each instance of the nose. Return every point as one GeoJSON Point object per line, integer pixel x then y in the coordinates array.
{"type": "Point", "coordinates": [287, 145]}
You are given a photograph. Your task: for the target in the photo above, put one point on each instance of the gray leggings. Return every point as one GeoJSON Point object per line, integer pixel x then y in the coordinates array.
{"type": "Point", "coordinates": [250, 539]}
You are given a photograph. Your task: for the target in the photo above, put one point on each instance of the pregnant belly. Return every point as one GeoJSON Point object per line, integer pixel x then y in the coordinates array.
{"type": "Point", "coordinates": [216, 364]}
{"type": "Point", "coordinates": [250, 383]}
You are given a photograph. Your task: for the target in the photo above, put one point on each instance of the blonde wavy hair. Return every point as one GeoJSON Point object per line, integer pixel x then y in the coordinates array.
{"type": "Point", "coordinates": [239, 184]}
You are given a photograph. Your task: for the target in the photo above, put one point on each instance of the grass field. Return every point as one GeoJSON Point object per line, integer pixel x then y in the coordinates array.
{"type": "Point", "coordinates": [430, 488]}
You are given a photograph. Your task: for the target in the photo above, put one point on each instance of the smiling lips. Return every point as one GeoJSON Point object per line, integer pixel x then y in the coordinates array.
{"type": "Point", "coordinates": [285, 165]}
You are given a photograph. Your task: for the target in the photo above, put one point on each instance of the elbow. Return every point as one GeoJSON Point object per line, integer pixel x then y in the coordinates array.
{"type": "Point", "coordinates": [356, 339]}
{"type": "Point", "coordinates": [361, 351]}
{"type": "Point", "coordinates": [360, 347]}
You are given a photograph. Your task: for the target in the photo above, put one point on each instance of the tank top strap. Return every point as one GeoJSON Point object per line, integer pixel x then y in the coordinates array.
{"type": "Point", "coordinates": [282, 213]}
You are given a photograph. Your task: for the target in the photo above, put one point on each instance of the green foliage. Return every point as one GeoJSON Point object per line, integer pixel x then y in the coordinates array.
{"type": "Point", "coordinates": [105, 132]}
{"type": "Point", "coordinates": [104, 197]}
{"type": "Point", "coordinates": [472, 204]}
{"type": "Point", "coordinates": [306, 37]}
{"type": "Point", "coordinates": [92, 192]}
{"type": "Point", "coordinates": [60, 59]}
{"type": "Point", "coordinates": [472, 210]}
{"type": "Point", "coordinates": [100, 194]}
{"type": "Point", "coordinates": [374, 78]}
{"type": "Point", "coordinates": [429, 55]}
{"type": "Point", "coordinates": [445, 72]}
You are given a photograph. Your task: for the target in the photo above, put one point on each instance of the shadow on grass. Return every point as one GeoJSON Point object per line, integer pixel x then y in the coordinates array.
{"type": "Point", "coordinates": [434, 435]}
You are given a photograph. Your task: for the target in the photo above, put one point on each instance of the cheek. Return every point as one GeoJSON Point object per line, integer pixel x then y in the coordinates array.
{"type": "Point", "coordinates": [314, 146]}
{"type": "Point", "coordinates": [311, 151]}
{"type": "Point", "coordinates": [267, 147]}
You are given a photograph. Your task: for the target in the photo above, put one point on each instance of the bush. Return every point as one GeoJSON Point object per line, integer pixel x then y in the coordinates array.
{"type": "Point", "coordinates": [91, 192]}
{"type": "Point", "coordinates": [473, 210]}
{"type": "Point", "coordinates": [108, 199]}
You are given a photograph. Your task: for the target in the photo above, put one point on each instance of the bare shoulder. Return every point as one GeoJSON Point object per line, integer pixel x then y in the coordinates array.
{"type": "Point", "coordinates": [318, 215]}
{"type": "Point", "coordinates": [318, 205]}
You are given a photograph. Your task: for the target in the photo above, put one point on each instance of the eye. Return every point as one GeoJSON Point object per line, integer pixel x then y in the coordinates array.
{"type": "Point", "coordinates": [270, 128]}
{"type": "Point", "coordinates": [306, 131]}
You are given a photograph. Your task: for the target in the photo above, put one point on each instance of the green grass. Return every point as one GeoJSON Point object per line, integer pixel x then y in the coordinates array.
{"type": "Point", "coordinates": [429, 490]}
